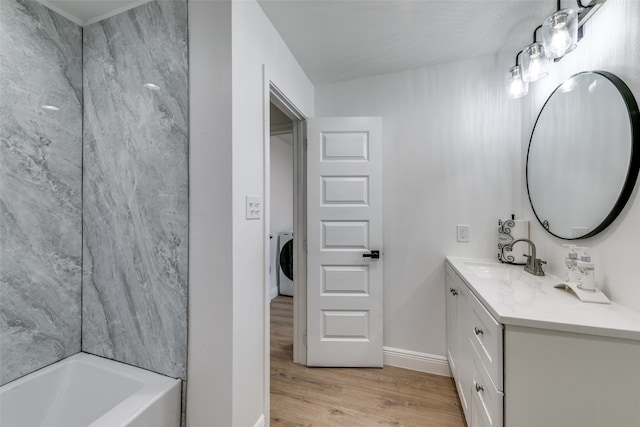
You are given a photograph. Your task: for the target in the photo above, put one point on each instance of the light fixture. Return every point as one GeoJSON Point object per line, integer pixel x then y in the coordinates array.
{"type": "Point", "coordinates": [560, 32]}
{"type": "Point", "coordinates": [534, 61]}
{"type": "Point", "coordinates": [516, 86]}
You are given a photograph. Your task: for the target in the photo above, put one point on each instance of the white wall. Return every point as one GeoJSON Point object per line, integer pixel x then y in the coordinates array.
{"type": "Point", "coordinates": [254, 42]}
{"type": "Point", "coordinates": [210, 355]}
{"type": "Point", "coordinates": [281, 186]}
{"type": "Point", "coordinates": [451, 150]}
{"type": "Point", "coordinates": [229, 41]}
{"type": "Point", "coordinates": [611, 43]}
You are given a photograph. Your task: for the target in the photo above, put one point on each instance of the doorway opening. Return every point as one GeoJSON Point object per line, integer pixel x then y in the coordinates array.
{"type": "Point", "coordinates": [281, 204]}
{"type": "Point", "coordinates": [286, 125]}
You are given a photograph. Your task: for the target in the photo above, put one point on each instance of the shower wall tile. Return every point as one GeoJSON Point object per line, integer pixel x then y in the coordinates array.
{"type": "Point", "coordinates": [136, 187]}
{"type": "Point", "coordinates": [40, 187]}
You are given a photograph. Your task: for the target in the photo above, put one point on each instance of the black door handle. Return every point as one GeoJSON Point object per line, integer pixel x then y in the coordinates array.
{"type": "Point", "coordinates": [372, 255]}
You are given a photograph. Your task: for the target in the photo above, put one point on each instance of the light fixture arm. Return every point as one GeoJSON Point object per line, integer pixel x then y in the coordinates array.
{"type": "Point", "coordinates": [587, 11]}
{"type": "Point", "coordinates": [535, 40]}
{"type": "Point", "coordinates": [517, 56]}
{"type": "Point", "coordinates": [581, 6]}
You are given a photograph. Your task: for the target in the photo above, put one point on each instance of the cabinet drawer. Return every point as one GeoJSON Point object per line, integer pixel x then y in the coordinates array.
{"type": "Point", "coordinates": [486, 401]}
{"type": "Point", "coordinates": [486, 338]}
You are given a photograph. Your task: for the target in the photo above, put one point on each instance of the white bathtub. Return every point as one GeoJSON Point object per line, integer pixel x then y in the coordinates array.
{"type": "Point", "coordinates": [85, 390]}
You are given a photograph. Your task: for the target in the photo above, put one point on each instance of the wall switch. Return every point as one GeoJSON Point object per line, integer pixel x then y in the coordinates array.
{"type": "Point", "coordinates": [254, 207]}
{"type": "Point", "coordinates": [463, 233]}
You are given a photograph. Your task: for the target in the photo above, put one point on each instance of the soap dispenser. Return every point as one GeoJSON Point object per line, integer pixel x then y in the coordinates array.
{"type": "Point", "coordinates": [586, 272]}
{"type": "Point", "coordinates": [571, 265]}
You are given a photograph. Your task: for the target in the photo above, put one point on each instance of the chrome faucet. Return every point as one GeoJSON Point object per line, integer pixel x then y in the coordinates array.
{"type": "Point", "coordinates": [534, 265]}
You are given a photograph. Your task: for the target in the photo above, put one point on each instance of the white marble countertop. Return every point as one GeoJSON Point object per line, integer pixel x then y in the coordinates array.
{"type": "Point", "coordinates": [521, 299]}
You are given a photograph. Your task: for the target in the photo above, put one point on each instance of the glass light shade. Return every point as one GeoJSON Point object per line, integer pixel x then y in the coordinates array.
{"type": "Point", "coordinates": [560, 33]}
{"type": "Point", "coordinates": [534, 63]}
{"type": "Point", "coordinates": [516, 86]}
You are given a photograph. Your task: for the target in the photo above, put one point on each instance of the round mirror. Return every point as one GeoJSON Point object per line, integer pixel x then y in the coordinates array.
{"type": "Point", "coordinates": [584, 155]}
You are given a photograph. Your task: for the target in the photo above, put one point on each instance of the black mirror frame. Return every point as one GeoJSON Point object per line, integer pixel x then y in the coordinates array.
{"type": "Point", "coordinates": [634, 164]}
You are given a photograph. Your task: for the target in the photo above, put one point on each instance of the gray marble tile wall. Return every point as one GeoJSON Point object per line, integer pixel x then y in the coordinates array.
{"type": "Point", "coordinates": [136, 187]}
{"type": "Point", "coordinates": [40, 187]}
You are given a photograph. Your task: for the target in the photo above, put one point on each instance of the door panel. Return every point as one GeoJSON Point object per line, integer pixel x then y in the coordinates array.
{"type": "Point", "coordinates": [345, 146]}
{"type": "Point", "coordinates": [345, 279]}
{"type": "Point", "coordinates": [344, 222]}
{"type": "Point", "coordinates": [345, 190]}
{"type": "Point", "coordinates": [345, 235]}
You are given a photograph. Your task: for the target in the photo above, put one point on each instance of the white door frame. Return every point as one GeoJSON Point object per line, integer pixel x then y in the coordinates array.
{"type": "Point", "coordinates": [271, 93]}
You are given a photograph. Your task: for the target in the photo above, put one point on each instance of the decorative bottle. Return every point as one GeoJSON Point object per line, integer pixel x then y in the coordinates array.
{"type": "Point", "coordinates": [586, 272]}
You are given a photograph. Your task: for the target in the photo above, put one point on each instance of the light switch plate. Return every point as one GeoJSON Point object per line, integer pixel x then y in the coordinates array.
{"type": "Point", "coordinates": [254, 207]}
{"type": "Point", "coordinates": [463, 233]}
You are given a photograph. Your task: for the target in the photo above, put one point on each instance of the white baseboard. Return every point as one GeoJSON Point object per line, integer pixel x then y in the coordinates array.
{"type": "Point", "coordinates": [421, 362]}
{"type": "Point", "coordinates": [260, 422]}
{"type": "Point", "coordinates": [274, 292]}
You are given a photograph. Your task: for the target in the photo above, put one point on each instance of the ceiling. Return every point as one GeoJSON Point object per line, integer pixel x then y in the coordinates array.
{"type": "Point", "coordinates": [338, 40]}
{"type": "Point", "coordinates": [348, 39]}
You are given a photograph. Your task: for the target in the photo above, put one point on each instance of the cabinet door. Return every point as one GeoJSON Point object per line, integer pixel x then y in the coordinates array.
{"type": "Point", "coordinates": [458, 338]}
{"type": "Point", "coordinates": [452, 316]}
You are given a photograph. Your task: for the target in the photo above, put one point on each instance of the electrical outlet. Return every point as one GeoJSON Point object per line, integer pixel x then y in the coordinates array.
{"type": "Point", "coordinates": [254, 207]}
{"type": "Point", "coordinates": [463, 233]}
{"type": "Point", "coordinates": [578, 231]}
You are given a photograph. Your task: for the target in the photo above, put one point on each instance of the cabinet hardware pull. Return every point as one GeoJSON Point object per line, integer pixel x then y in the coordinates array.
{"type": "Point", "coordinates": [479, 388]}
{"type": "Point", "coordinates": [478, 331]}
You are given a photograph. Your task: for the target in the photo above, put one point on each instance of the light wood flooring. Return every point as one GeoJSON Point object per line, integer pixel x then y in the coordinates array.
{"type": "Point", "coordinates": [302, 396]}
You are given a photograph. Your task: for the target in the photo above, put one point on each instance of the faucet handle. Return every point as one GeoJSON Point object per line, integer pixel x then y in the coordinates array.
{"type": "Point", "coordinates": [538, 267]}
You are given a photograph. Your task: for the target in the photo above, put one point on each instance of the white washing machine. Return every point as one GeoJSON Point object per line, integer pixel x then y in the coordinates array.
{"type": "Point", "coordinates": [285, 263]}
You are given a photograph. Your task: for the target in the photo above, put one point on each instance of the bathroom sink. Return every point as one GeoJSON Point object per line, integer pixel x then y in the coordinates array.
{"type": "Point", "coordinates": [487, 270]}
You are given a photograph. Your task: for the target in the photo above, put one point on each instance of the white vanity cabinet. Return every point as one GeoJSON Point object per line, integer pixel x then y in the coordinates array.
{"type": "Point", "coordinates": [525, 354]}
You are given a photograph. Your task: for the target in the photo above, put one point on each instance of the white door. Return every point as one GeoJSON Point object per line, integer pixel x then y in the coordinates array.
{"type": "Point", "coordinates": [344, 227]}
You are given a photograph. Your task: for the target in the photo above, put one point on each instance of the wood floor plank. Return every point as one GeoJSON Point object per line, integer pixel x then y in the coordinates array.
{"type": "Point", "coordinates": [361, 397]}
